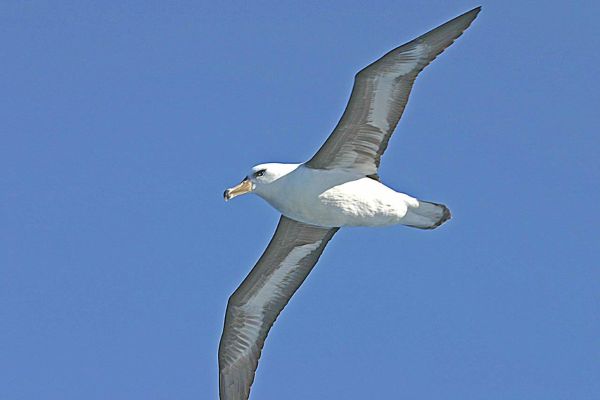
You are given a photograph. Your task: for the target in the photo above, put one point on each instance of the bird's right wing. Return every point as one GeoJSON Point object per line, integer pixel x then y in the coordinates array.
{"type": "Point", "coordinates": [253, 307]}
{"type": "Point", "coordinates": [378, 98]}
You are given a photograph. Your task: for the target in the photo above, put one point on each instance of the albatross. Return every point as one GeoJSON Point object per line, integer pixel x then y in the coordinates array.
{"type": "Point", "coordinates": [338, 187]}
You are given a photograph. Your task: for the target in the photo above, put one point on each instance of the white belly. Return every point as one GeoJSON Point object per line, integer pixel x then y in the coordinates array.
{"type": "Point", "coordinates": [332, 199]}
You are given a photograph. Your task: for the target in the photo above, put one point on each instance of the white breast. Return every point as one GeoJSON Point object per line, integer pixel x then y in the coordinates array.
{"type": "Point", "coordinates": [337, 198]}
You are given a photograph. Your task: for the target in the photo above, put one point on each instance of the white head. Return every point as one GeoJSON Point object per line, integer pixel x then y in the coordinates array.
{"type": "Point", "coordinates": [260, 179]}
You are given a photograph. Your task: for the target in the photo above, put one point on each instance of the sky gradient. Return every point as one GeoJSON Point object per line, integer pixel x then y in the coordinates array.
{"type": "Point", "coordinates": [123, 122]}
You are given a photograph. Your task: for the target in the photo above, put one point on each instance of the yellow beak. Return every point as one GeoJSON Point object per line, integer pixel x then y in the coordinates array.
{"type": "Point", "coordinates": [244, 187]}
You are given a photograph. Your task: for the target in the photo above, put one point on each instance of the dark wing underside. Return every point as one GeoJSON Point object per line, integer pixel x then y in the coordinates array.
{"type": "Point", "coordinates": [254, 306]}
{"type": "Point", "coordinates": [378, 98]}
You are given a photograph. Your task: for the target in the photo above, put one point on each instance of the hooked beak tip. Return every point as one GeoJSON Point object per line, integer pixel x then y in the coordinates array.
{"type": "Point", "coordinates": [242, 188]}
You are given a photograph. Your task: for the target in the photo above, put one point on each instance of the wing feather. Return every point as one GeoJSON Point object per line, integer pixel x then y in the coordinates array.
{"type": "Point", "coordinates": [253, 308]}
{"type": "Point", "coordinates": [378, 99]}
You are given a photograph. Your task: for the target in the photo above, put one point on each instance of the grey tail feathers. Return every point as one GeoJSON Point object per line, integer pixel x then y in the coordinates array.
{"type": "Point", "coordinates": [427, 216]}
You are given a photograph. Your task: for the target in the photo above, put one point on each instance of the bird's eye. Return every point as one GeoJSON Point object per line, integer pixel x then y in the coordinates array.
{"type": "Point", "coordinates": [260, 173]}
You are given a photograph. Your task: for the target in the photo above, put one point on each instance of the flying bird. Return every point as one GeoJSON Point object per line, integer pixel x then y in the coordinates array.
{"type": "Point", "coordinates": [339, 186]}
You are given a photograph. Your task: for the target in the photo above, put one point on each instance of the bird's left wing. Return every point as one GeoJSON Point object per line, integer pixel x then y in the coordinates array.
{"type": "Point", "coordinates": [378, 99]}
{"type": "Point", "coordinates": [254, 306]}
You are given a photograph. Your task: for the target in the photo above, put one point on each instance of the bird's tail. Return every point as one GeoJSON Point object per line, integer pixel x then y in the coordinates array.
{"type": "Point", "coordinates": [427, 215]}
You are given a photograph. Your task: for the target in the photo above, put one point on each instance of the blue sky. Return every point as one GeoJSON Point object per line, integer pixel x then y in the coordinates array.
{"type": "Point", "coordinates": [123, 122]}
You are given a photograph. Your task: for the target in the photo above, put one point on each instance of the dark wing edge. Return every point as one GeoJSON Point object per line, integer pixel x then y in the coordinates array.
{"type": "Point", "coordinates": [378, 99]}
{"type": "Point", "coordinates": [253, 308]}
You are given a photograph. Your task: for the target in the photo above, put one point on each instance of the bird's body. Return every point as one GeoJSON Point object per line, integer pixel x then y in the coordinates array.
{"type": "Point", "coordinates": [338, 187]}
{"type": "Point", "coordinates": [337, 198]}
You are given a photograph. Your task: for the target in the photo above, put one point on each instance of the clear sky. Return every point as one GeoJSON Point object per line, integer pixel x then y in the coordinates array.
{"type": "Point", "coordinates": [123, 122]}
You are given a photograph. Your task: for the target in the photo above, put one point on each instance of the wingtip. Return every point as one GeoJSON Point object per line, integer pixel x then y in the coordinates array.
{"type": "Point", "coordinates": [465, 20]}
{"type": "Point", "coordinates": [474, 11]}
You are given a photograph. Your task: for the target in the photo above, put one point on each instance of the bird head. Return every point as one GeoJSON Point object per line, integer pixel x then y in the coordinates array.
{"type": "Point", "coordinates": [260, 179]}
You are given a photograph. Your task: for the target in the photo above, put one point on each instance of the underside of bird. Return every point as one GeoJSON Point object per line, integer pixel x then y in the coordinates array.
{"type": "Point", "coordinates": [338, 186]}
